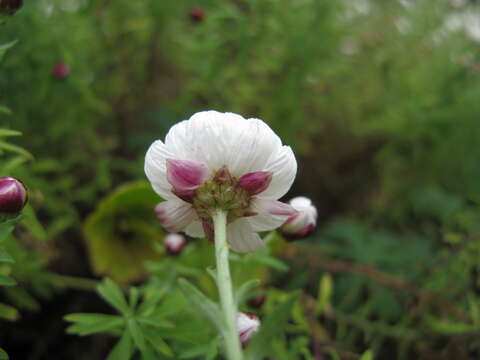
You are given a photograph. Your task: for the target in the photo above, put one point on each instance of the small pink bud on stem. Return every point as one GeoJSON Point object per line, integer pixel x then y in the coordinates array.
{"type": "Point", "coordinates": [61, 71]}
{"type": "Point", "coordinates": [247, 325]}
{"type": "Point", "coordinates": [304, 222]}
{"type": "Point", "coordinates": [174, 243]}
{"type": "Point", "coordinates": [13, 197]}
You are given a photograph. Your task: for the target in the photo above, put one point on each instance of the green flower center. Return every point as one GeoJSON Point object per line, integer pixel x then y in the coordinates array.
{"type": "Point", "coordinates": [221, 192]}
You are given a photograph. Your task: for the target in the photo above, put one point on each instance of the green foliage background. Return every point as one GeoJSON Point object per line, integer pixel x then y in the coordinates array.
{"type": "Point", "coordinates": [379, 100]}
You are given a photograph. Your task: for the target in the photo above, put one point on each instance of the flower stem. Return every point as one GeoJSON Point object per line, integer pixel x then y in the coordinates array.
{"type": "Point", "coordinates": [224, 283]}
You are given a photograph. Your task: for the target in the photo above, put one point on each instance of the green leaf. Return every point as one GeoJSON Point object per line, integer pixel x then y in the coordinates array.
{"type": "Point", "coordinates": [157, 342]}
{"type": "Point", "coordinates": [7, 281]}
{"type": "Point", "coordinates": [123, 233]}
{"type": "Point", "coordinates": [15, 149]}
{"type": "Point", "coordinates": [202, 304]}
{"type": "Point", "coordinates": [86, 324]}
{"type": "Point", "coordinates": [244, 290]}
{"type": "Point", "coordinates": [273, 325]}
{"type": "Point", "coordinates": [31, 222]}
{"type": "Point", "coordinates": [133, 297]}
{"type": "Point", "coordinates": [5, 47]}
{"type": "Point", "coordinates": [123, 349]}
{"type": "Point", "coordinates": [8, 312]}
{"type": "Point", "coordinates": [325, 290]}
{"type": "Point", "coordinates": [3, 355]}
{"type": "Point", "coordinates": [136, 333]}
{"type": "Point", "coordinates": [5, 110]}
{"type": "Point", "coordinates": [112, 294]}
{"type": "Point", "coordinates": [8, 132]}
{"type": "Point", "coordinates": [367, 355]}
{"type": "Point", "coordinates": [5, 257]}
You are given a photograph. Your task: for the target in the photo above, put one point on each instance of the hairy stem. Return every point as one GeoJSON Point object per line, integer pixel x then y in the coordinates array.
{"type": "Point", "coordinates": [224, 283]}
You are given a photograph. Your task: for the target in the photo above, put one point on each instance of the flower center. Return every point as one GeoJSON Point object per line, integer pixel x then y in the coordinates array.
{"type": "Point", "coordinates": [221, 192]}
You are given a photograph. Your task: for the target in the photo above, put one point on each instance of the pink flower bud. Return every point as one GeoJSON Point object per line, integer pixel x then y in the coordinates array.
{"type": "Point", "coordinates": [304, 222]}
{"type": "Point", "coordinates": [61, 71]}
{"type": "Point", "coordinates": [13, 197]}
{"type": "Point", "coordinates": [174, 243]}
{"type": "Point", "coordinates": [185, 176]}
{"type": "Point", "coordinates": [247, 325]}
{"type": "Point", "coordinates": [197, 15]}
{"type": "Point", "coordinates": [257, 301]}
{"type": "Point", "coordinates": [255, 182]}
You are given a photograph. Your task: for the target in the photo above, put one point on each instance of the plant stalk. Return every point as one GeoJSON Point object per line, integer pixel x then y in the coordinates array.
{"type": "Point", "coordinates": [225, 289]}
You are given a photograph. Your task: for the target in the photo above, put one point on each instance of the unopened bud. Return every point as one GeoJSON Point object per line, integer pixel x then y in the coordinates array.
{"type": "Point", "coordinates": [247, 325]}
{"type": "Point", "coordinates": [304, 222]}
{"type": "Point", "coordinates": [10, 6]}
{"type": "Point", "coordinates": [257, 301]}
{"type": "Point", "coordinates": [13, 197]}
{"type": "Point", "coordinates": [197, 14]}
{"type": "Point", "coordinates": [61, 71]}
{"type": "Point", "coordinates": [174, 243]}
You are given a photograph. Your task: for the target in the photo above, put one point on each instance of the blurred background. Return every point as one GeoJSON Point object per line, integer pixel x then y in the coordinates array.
{"type": "Point", "coordinates": [379, 100]}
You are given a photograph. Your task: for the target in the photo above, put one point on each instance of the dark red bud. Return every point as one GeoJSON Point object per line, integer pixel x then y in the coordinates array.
{"type": "Point", "coordinates": [10, 6]}
{"type": "Point", "coordinates": [197, 15]}
{"type": "Point", "coordinates": [61, 71]}
{"type": "Point", "coordinates": [257, 301]}
{"type": "Point", "coordinates": [13, 197]}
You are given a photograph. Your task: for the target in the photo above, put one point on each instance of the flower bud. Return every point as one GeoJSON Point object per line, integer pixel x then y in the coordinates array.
{"type": "Point", "coordinates": [174, 243]}
{"type": "Point", "coordinates": [197, 15]}
{"type": "Point", "coordinates": [304, 222]}
{"type": "Point", "coordinates": [13, 197]}
{"type": "Point", "coordinates": [61, 71]}
{"type": "Point", "coordinates": [10, 6]}
{"type": "Point", "coordinates": [247, 325]}
{"type": "Point", "coordinates": [257, 301]}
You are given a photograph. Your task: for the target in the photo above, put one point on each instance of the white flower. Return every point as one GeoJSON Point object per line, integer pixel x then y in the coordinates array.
{"type": "Point", "coordinates": [222, 160]}
{"type": "Point", "coordinates": [247, 325]}
{"type": "Point", "coordinates": [174, 243]}
{"type": "Point", "coordinates": [302, 223]}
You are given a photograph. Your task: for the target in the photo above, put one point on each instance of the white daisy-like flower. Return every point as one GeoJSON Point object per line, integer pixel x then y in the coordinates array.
{"type": "Point", "coordinates": [304, 222]}
{"type": "Point", "coordinates": [247, 325]}
{"type": "Point", "coordinates": [221, 160]}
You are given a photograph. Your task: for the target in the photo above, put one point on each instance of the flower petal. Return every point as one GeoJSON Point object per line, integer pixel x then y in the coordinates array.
{"type": "Point", "coordinates": [284, 168]}
{"type": "Point", "coordinates": [271, 214]}
{"type": "Point", "coordinates": [156, 170]}
{"type": "Point", "coordinates": [195, 229]}
{"type": "Point", "coordinates": [219, 139]}
{"type": "Point", "coordinates": [242, 238]}
{"type": "Point", "coordinates": [185, 175]}
{"type": "Point", "coordinates": [175, 215]}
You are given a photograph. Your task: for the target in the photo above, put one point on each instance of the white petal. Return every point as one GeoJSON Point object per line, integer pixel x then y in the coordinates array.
{"type": "Point", "coordinates": [156, 170]}
{"type": "Point", "coordinates": [242, 238]}
{"type": "Point", "coordinates": [271, 214]}
{"type": "Point", "coordinates": [252, 147]}
{"type": "Point", "coordinates": [219, 139]}
{"type": "Point", "coordinates": [195, 229]}
{"type": "Point", "coordinates": [284, 168]}
{"type": "Point", "coordinates": [175, 215]}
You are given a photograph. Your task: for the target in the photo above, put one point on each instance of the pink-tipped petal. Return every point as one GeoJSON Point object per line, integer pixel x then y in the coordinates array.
{"type": "Point", "coordinates": [255, 182]}
{"type": "Point", "coordinates": [185, 176]}
{"type": "Point", "coordinates": [271, 214]}
{"type": "Point", "coordinates": [175, 215]}
{"type": "Point", "coordinates": [174, 243]}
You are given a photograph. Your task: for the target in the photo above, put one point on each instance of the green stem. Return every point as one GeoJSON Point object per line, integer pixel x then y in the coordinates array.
{"type": "Point", "coordinates": [224, 283]}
